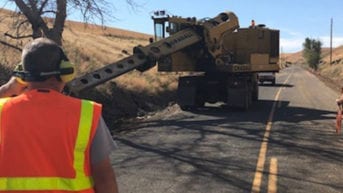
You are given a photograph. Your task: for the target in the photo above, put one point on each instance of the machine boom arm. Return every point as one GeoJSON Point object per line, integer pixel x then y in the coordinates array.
{"type": "Point", "coordinates": [142, 59]}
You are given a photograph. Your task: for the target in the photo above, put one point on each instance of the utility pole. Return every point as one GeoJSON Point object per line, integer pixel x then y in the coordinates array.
{"type": "Point", "coordinates": [331, 41]}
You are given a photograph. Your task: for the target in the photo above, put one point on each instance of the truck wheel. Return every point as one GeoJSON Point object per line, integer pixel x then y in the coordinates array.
{"type": "Point", "coordinates": [246, 104]}
{"type": "Point", "coordinates": [200, 100]}
{"type": "Point", "coordinates": [255, 92]}
{"type": "Point", "coordinates": [186, 108]}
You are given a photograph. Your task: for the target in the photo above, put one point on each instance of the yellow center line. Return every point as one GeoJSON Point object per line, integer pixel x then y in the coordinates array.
{"type": "Point", "coordinates": [272, 178]}
{"type": "Point", "coordinates": [256, 186]}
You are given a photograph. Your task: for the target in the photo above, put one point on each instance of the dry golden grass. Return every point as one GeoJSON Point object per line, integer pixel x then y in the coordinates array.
{"type": "Point", "coordinates": [337, 55]}
{"type": "Point", "coordinates": [100, 46]}
{"type": "Point", "coordinates": [294, 58]}
{"type": "Point", "coordinates": [335, 69]}
{"type": "Point", "coordinates": [91, 47]}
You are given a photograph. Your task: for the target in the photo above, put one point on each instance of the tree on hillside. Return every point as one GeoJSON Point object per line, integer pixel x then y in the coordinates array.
{"type": "Point", "coordinates": [33, 18]}
{"type": "Point", "coordinates": [311, 52]}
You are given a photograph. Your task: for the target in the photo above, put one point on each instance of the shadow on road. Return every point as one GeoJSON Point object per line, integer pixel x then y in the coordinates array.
{"type": "Point", "coordinates": [222, 144]}
{"type": "Point", "coordinates": [277, 85]}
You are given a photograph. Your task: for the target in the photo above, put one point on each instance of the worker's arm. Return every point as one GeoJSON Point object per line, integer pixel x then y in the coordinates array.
{"type": "Point", "coordinates": [102, 172]}
{"type": "Point", "coordinates": [12, 88]}
{"type": "Point", "coordinates": [104, 177]}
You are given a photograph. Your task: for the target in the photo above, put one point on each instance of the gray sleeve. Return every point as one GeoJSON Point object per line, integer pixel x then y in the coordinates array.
{"type": "Point", "coordinates": [102, 144]}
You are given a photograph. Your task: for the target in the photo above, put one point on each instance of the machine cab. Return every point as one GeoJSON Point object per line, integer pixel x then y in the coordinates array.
{"type": "Point", "coordinates": [165, 25]}
{"type": "Point", "coordinates": [160, 24]}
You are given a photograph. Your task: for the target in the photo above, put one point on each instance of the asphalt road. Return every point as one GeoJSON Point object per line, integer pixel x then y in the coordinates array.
{"type": "Point", "coordinates": [286, 142]}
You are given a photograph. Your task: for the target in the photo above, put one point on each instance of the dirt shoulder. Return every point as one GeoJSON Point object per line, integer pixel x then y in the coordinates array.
{"type": "Point", "coordinates": [329, 82]}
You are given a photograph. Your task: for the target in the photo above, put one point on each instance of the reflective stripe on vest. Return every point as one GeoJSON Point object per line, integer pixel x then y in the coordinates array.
{"type": "Point", "coordinates": [2, 102]}
{"type": "Point", "coordinates": [80, 182]}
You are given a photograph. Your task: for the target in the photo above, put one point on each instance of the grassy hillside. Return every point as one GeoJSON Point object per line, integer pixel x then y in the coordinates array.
{"type": "Point", "coordinates": [335, 69]}
{"type": "Point", "coordinates": [294, 58]}
{"type": "Point", "coordinates": [91, 47]}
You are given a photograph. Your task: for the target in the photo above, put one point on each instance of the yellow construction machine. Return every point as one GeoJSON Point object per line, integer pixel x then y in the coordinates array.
{"type": "Point", "coordinates": [225, 59]}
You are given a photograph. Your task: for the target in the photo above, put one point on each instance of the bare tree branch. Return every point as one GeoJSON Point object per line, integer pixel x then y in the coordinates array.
{"type": "Point", "coordinates": [61, 15]}
{"type": "Point", "coordinates": [21, 27]}
{"type": "Point", "coordinates": [49, 11]}
{"type": "Point", "coordinates": [43, 6]}
{"type": "Point", "coordinates": [36, 12]}
{"type": "Point", "coordinates": [17, 37]}
{"type": "Point", "coordinates": [10, 45]}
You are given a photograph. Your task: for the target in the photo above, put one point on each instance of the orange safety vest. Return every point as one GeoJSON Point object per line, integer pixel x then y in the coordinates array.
{"type": "Point", "coordinates": [45, 142]}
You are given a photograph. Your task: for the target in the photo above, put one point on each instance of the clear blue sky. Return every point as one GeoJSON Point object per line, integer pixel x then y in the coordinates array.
{"type": "Point", "coordinates": [296, 19]}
